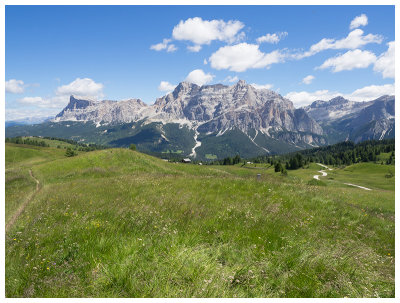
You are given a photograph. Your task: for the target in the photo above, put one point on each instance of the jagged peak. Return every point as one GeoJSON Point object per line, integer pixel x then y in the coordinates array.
{"type": "Point", "coordinates": [80, 98]}
{"type": "Point", "coordinates": [240, 84]}
{"type": "Point", "coordinates": [338, 100]}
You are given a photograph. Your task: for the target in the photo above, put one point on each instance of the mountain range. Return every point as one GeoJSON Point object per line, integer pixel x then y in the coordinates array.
{"type": "Point", "coordinates": [215, 121]}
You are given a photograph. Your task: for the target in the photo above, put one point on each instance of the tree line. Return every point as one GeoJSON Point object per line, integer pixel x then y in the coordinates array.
{"type": "Point", "coordinates": [344, 153]}
{"type": "Point", "coordinates": [36, 141]}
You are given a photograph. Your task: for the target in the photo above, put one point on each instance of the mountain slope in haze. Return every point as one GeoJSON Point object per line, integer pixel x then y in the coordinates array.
{"type": "Point", "coordinates": [342, 119]}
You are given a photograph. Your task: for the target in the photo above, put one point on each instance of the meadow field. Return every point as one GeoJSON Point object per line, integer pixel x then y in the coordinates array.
{"type": "Point", "coordinates": [119, 223]}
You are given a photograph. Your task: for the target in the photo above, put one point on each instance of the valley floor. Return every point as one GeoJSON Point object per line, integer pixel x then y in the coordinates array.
{"type": "Point", "coordinates": [118, 223]}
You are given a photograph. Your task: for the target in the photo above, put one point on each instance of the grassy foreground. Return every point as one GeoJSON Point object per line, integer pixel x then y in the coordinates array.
{"type": "Point", "coordinates": [117, 223]}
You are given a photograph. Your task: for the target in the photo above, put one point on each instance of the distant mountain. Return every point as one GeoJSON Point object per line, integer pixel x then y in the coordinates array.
{"type": "Point", "coordinates": [334, 109]}
{"type": "Point", "coordinates": [342, 119]}
{"type": "Point", "coordinates": [27, 121]}
{"type": "Point", "coordinates": [212, 121]}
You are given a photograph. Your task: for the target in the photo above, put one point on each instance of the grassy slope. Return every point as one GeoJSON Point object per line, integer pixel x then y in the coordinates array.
{"type": "Point", "coordinates": [119, 223]}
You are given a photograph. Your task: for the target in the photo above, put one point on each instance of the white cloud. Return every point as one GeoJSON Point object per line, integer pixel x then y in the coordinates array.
{"type": "Point", "coordinates": [385, 63]}
{"type": "Point", "coordinates": [231, 79]}
{"type": "Point", "coordinates": [51, 102]}
{"type": "Point", "coordinates": [160, 46]}
{"type": "Point", "coordinates": [304, 98]}
{"type": "Point", "coordinates": [261, 86]}
{"type": "Point", "coordinates": [14, 86]}
{"type": "Point", "coordinates": [201, 31]}
{"type": "Point", "coordinates": [165, 44]}
{"type": "Point", "coordinates": [171, 48]}
{"type": "Point", "coordinates": [243, 56]}
{"type": "Point", "coordinates": [371, 92]}
{"type": "Point", "coordinates": [199, 77]}
{"type": "Point", "coordinates": [308, 79]}
{"type": "Point", "coordinates": [350, 60]}
{"type": "Point", "coordinates": [358, 21]}
{"type": "Point", "coordinates": [362, 94]}
{"type": "Point", "coordinates": [272, 38]}
{"type": "Point", "coordinates": [194, 48]}
{"type": "Point", "coordinates": [83, 88]}
{"type": "Point", "coordinates": [165, 86]}
{"type": "Point", "coordinates": [354, 39]}
{"type": "Point", "coordinates": [28, 113]}
{"type": "Point", "coordinates": [205, 61]}
{"type": "Point", "coordinates": [31, 100]}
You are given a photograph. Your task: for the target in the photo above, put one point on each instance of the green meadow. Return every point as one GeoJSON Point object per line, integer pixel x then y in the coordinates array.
{"type": "Point", "coordinates": [119, 223]}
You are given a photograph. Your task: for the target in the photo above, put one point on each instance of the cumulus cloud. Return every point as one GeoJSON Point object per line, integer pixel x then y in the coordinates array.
{"type": "Point", "coordinates": [366, 93]}
{"type": "Point", "coordinates": [358, 21]}
{"type": "Point", "coordinates": [14, 86]}
{"type": "Point", "coordinates": [164, 45]}
{"type": "Point", "coordinates": [272, 38]}
{"type": "Point", "coordinates": [194, 48]}
{"type": "Point", "coordinates": [371, 92]}
{"type": "Point", "coordinates": [51, 102]}
{"type": "Point", "coordinates": [308, 79]}
{"type": "Point", "coordinates": [199, 77]}
{"type": "Point", "coordinates": [354, 39]}
{"type": "Point", "coordinates": [201, 31]}
{"type": "Point", "coordinates": [304, 98]}
{"type": "Point", "coordinates": [31, 100]}
{"type": "Point", "coordinates": [231, 79]}
{"type": "Point", "coordinates": [32, 114]}
{"type": "Point", "coordinates": [171, 48]}
{"type": "Point", "coordinates": [385, 63]}
{"type": "Point", "coordinates": [261, 86]}
{"type": "Point", "coordinates": [350, 60]}
{"type": "Point", "coordinates": [165, 86]}
{"type": "Point", "coordinates": [84, 88]}
{"type": "Point", "coordinates": [243, 56]}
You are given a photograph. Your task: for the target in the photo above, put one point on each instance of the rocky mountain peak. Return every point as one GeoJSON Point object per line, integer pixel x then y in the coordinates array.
{"type": "Point", "coordinates": [338, 100]}
{"type": "Point", "coordinates": [241, 83]}
{"type": "Point", "coordinates": [185, 88]}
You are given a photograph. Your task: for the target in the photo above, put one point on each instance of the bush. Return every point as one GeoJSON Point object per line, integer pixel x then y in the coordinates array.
{"type": "Point", "coordinates": [389, 174]}
{"type": "Point", "coordinates": [132, 147]}
{"type": "Point", "coordinates": [70, 153]}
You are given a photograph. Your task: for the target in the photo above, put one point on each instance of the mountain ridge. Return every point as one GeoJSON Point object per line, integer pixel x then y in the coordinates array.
{"type": "Point", "coordinates": [212, 119]}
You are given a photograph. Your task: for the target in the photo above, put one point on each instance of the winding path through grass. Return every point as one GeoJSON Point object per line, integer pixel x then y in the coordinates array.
{"type": "Point", "coordinates": [22, 207]}
{"type": "Point", "coordinates": [324, 174]}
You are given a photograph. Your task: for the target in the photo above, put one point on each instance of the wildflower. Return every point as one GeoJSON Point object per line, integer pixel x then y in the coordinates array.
{"type": "Point", "coordinates": [15, 239]}
{"type": "Point", "coordinates": [48, 268]}
{"type": "Point", "coordinates": [388, 254]}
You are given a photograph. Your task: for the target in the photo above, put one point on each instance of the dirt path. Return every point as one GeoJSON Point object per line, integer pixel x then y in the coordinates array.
{"type": "Point", "coordinates": [324, 174]}
{"type": "Point", "coordinates": [362, 187]}
{"type": "Point", "coordinates": [22, 207]}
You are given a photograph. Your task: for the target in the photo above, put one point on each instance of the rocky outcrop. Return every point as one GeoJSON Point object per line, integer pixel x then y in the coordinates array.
{"type": "Point", "coordinates": [101, 111]}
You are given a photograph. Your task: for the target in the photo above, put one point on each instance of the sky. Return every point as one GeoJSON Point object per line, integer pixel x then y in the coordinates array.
{"type": "Point", "coordinates": [305, 53]}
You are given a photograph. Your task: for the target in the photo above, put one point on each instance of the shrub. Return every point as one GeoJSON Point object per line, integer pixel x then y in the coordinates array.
{"type": "Point", "coordinates": [70, 153]}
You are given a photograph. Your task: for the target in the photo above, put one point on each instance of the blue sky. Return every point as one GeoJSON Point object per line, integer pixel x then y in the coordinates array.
{"type": "Point", "coordinates": [119, 52]}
